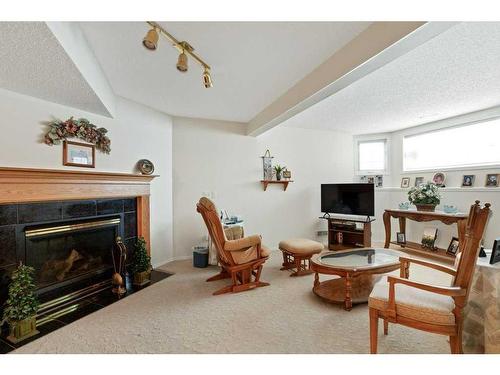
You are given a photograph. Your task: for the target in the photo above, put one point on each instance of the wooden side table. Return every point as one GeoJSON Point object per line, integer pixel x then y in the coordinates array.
{"type": "Point", "coordinates": [459, 219]}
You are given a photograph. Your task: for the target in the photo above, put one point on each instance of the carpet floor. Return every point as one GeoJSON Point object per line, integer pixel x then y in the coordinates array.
{"type": "Point", "coordinates": [180, 315]}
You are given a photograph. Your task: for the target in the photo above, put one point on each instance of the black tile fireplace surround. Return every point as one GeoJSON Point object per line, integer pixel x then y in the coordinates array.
{"type": "Point", "coordinates": [31, 233]}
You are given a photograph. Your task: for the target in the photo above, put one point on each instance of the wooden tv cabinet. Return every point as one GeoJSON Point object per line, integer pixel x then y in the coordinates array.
{"type": "Point", "coordinates": [352, 235]}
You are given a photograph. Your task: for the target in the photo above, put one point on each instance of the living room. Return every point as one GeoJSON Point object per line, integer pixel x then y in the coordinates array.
{"type": "Point", "coordinates": [246, 191]}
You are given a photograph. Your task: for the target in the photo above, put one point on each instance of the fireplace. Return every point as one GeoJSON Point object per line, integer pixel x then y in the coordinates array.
{"type": "Point", "coordinates": [63, 223]}
{"type": "Point", "coordinates": [68, 252]}
{"type": "Point", "coordinates": [68, 243]}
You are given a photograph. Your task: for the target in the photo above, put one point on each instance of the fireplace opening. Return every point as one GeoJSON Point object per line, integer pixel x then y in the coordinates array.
{"type": "Point", "coordinates": [66, 253]}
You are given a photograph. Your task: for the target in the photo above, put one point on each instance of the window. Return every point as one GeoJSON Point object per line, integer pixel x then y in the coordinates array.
{"type": "Point", "coordinates": [372, 156]}
{"type": "Point", "coordinates": [469, 145]}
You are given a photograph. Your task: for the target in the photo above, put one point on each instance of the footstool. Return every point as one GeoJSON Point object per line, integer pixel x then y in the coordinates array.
{"type": "Point", "coordinates": [297, 253]}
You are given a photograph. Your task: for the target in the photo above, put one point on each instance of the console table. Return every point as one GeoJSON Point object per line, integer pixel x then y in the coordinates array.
{"type": "Point", "coordinates": [460, 219]}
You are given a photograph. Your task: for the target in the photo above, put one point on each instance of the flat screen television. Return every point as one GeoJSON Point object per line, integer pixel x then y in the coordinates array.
{"type": "Point", "coordinates": [348, 199]}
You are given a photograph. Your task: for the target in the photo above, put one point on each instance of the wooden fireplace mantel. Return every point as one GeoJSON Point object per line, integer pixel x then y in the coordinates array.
{"type": "Point", "coordinates": [21, 185]}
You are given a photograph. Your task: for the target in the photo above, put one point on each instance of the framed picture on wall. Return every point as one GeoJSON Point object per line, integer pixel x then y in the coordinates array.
{"type": "Point", "coordinates": [405, 182]}
{"type": "Point", "coordinates": [419, 181]}
{"type": "Point", "coordinates": [491, 180]}
{"type": "Point", "coordinates": [468, 180]}
{"type": "Point", "coordinates": [78, 154]}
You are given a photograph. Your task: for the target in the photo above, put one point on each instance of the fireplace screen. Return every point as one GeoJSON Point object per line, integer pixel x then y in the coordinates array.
{"type": "Point", "coordinates": [65, 252]}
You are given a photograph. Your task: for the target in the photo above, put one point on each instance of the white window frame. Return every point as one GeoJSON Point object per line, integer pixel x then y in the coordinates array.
{"type": "Point", "coordinates": [370, 139]}
{"type": "Point", "coordinates": [440, 128]}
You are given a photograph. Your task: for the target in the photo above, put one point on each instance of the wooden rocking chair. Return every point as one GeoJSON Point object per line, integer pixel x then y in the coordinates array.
{"type": "Point", "coordinates": [430, 308]}
{"type": "Point", "coordinates": [241, 260]}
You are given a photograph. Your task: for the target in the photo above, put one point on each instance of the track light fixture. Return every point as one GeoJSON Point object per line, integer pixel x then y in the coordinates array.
{"type": "Point", "coordinates": [150, 41]}
{"type": "Point", "coordinates": [207, 80]}
{"type": "Point", "coordinates": [182, 62]}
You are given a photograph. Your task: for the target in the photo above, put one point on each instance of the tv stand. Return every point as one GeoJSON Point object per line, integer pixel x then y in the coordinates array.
{"type": "Point", "coordinates": [346, 234]}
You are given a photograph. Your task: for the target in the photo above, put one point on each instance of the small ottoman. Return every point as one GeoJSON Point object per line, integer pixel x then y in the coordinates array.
{"type": "Point", "coordinates": [297, 253]}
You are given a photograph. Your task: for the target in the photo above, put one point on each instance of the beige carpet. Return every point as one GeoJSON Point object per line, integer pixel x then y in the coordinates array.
{"type": "Point", "coordinates": [180, 315]}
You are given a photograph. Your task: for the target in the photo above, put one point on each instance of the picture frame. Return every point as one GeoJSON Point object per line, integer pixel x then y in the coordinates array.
{"type": "Point", "coordinates": [491, 180]}
{"type": "Point", "coordinates": [468, 180]}
{"type": "Point", "coordinates": [429, 237]}
{"type": "Point", "coordinates": [419, 181]}
{"type": "Point", "coordinates": [453, 246]}
{"type": "Point", "coordinates": [379, 181]}
{"type": "Point", "coordinates": [495, 252]}
{"type": "Point", "coordinates": [76, 154]}
{"type": "Point", "coordinates": [401, 238]}
{"type": "Point", "coordinates": [371, 179]}
{"type": "Point", "coordinates": [405, 182]}
{"type": "Point", "coordinates": [439, 178]}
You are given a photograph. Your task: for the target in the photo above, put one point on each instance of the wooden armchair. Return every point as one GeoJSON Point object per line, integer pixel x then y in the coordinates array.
{"type": "Point", "coordinates": [241, 259]}
{"type": "Point", "coordinates": [430, 308]}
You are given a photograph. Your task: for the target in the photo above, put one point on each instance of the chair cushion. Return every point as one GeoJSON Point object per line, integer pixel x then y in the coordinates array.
{"type": "Point", "coordinates": [414, 303]}
{"type": "Point", "coordinates": [301, 246]}
{"type": "Point", "coordinates": [250, 254]}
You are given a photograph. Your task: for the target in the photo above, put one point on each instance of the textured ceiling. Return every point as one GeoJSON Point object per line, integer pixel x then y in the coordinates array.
{"type": "Point", "coordinates": [455, 73]}
{"type": "Point", "coordinates": [32, 62]}
{"type": "Point", "coordinates": [252, 63]}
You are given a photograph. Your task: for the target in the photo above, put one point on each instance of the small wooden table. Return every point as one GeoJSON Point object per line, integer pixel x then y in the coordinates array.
{"type": "Point", "coordinates": [358, 270]}
{"type": "Point", "coordinates": [459, 218]}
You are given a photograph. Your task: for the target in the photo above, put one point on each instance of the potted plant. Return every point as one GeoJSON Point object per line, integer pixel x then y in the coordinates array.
{"type": "Point", "coordinates": [278, 169]}
{"type": "Point", "coordinates": [425, 196]}
{"type": "Point", "coordinates": [21, 305]}
{"type": "Point", "coordinates": [141, 263]}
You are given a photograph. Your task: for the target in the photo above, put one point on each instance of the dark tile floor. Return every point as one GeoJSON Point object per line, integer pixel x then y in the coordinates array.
{"type": "Point", "coordinates": [85, 307]}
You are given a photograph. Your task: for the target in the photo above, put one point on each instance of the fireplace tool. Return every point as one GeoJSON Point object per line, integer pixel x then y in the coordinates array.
{"type": "Point", "coordinates": [117, 279]}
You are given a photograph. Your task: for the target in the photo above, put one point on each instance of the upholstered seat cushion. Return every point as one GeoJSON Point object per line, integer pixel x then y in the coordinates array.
{"type": "Point", "coordinates": [250, 254]}
{"type": "Point", "coordinates": [302, 246]}
{"type": "Point", "coordinates": [414, 303]}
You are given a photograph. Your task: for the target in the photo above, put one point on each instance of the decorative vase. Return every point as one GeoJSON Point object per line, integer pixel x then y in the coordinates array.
{"type": "Point", "coordinates": [426, 207]}
{"type": "Point", "coordinates": [142, 278]}
{"type": "Point", "coordinates": [278, 176]}
{"type": "Point", "coordinates": [22, 329]}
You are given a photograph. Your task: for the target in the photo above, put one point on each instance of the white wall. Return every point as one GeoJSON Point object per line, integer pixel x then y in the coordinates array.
{"type": "Point", "coordinates": [391, 195]}
{"type": "Point", "coordinates": [136, 132]}
{"type": "Point", "coordinates": [216, 157]}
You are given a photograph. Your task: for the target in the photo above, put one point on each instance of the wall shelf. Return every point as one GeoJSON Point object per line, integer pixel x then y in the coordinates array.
{"type": "Point", "coordinates": [283, 182]}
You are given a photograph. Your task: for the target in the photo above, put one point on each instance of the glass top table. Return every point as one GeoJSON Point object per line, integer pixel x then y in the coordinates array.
{"type": "Point", "coordinates": [359, 258]}
{"type": "Point", "coordinates": [358, 269]}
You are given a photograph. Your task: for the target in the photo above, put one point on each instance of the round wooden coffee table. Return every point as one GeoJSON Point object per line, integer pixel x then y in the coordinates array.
{"type": "Point", "coordinates": [358, 269]}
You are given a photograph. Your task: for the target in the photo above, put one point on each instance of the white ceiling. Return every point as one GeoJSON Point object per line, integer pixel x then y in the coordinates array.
{"type": "Point", "coordinates": [32, 62]}
{"type": "Point", "coordinates": [253, 63]}
{"type": "Point", "coordinates": [456, 72]}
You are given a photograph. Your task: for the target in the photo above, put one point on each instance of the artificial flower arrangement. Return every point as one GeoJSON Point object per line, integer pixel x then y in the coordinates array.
{"type": "Point", "coordinates": [425, 196]}
{"type": "Point", "coordinates": [81, 128]}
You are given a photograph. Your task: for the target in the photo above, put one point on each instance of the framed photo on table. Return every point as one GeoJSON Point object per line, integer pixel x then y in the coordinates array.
{"type": "Point", "coordinates": [453, 246]}
{"type": "Point", "coordinates": [495, 252]}
{"type": "Point", "coordinates": [401, 238]}
{"type": "Point", "coordinates": [78, 154]}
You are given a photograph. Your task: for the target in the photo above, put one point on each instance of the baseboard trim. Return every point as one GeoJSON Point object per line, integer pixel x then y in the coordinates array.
{"type": "Point", "coordinates": [173, 259]}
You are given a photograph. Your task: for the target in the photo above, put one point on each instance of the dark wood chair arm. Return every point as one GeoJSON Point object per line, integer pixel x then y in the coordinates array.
{"type": "Point", "coordinates": [438, 267]}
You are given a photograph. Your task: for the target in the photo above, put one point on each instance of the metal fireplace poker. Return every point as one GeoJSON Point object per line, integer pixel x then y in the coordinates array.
{"type": "Point", "coordinates": [117, 279]}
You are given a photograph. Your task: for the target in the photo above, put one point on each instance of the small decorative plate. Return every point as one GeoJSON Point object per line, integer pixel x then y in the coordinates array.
{"type": "Point", "coordinates": [145, 166]}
